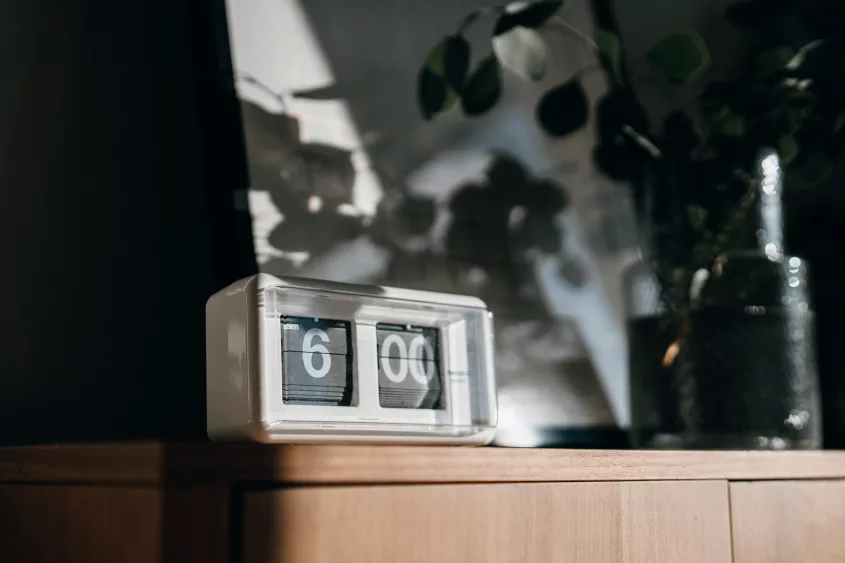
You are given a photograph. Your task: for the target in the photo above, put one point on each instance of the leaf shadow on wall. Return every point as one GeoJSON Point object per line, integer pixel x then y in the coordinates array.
{"type": "Point", "coordinates": [496, 226]}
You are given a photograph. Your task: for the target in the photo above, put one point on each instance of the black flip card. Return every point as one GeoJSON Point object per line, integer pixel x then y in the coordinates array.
{"type": "Point", "coordinates": [316, 361]}
{"type": "Point", "coordinates": [409, 367]}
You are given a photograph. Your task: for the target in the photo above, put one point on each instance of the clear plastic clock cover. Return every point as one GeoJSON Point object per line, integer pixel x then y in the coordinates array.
{"type": "Point", "coordinates": [363, 360]}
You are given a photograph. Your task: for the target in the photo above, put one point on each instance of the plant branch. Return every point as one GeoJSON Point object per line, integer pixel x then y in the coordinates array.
{"type": "Point", "coordinates": [467, 21]}
{"type": "Point", "coordinates": [642, 141]}
{"type": "Point", "coordinates": [564, 25]}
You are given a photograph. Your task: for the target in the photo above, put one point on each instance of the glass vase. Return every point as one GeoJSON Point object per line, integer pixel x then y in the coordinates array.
{"type": "Point", "coordinates": [735, 371]}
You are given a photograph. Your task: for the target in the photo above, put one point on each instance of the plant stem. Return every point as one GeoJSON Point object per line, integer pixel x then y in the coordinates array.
{"type": "Point", "coordinates": [471, 18]}
{"type": "Point", "coordinates": [565, 25]}
{"type": "Point", "coordinates": [642, 141]}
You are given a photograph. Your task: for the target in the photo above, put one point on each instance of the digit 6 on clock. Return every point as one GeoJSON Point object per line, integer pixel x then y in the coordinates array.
{"type": "Point", "coordinates": [420, 369]}
{"type": "Point", "coordinates": [309, 349]}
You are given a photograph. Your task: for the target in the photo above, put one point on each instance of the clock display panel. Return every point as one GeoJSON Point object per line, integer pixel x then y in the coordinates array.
{"type": "Point", "coordinates": [317, 361]}
{"type": "Point", "coordinates": [409, 367]}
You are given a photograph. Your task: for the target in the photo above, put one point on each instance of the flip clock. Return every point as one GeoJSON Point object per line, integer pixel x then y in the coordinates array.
{"type": "Point", "coordinates": [293, 360]}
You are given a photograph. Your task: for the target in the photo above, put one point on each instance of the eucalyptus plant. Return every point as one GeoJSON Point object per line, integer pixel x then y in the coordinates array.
{"type": "Point", "coordinates": [790, 96]}
{"type": "Point", "coordinates": [448, 76]}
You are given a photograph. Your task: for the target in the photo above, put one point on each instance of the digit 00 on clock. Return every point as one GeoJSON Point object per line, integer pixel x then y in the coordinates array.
{"type": "Point", "coordinates": [307, 360]}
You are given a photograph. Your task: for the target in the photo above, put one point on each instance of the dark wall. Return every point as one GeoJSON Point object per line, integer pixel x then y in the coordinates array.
{"type": "Point", "coordinates": [119, 152]}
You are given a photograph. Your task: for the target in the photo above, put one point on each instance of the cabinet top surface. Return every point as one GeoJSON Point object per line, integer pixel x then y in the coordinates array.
{"type": "Point", "coordinates": [151, 463]}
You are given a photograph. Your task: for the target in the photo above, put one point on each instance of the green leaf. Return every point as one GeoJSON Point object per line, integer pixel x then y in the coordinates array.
{"type": "Point", "coordinates": [442, 77]}
{"type": "Point", "coordinates": [563, 109]}
{"type": "Point", "coordinates": [795, 118]}
{"type": "Point", "coordinates": [526, 14]}
{"type": "Point", "coordinates": [483, 89]}
{"type": "Point", "coordinates": [732, 126]}
{"type": "Point", "coordinates": [537, 13]}
{"type": "Point", "coordinates": [722, 121]}
{"type": "Point", "coordinates": [504, 24]}
{"type": "Point", "coordinates": [456, 56]}
{"type": "Point", "coordinates": [799, 58]}
{"type": "Point", "coordinates": [787, 148]}
{"type": "Point", "coordinates": [697, 216]}
{"type": "Point", "coordinates": [610, 50]}
{"type": "Point", "coordinates": [449, 59]}
{"type": "Point", "coordinates": [452, 98]}
{"type": "Point", "coordinates": [809, 170]}
{"type": "Point", "coordinates": [523, 51]}
{"type": "Point", "coordinates": [434, 60]}
{"type": "Point", "coordinates": [840, 122]}
{"type": "Point", "coordinates": [772, 60]}
{"type": "Point", "coordinates": [679, 57]}
{"type": "Point", "coordinates": [516, 7]}
{"type": "Point", "coordinates": [431, 93]}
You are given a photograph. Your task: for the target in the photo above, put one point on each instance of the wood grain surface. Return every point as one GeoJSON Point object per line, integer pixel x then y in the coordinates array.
{"type": "Point", "coordinates": [315, 464]}
{"type": "Point", "coordinates": [97, 524]}
{"type": "Point", "coordinates": [788, 521]}
{"type": "Point", "coordinates": [644, 522]}
{"type": "Point", "coordinates": [47, 523]}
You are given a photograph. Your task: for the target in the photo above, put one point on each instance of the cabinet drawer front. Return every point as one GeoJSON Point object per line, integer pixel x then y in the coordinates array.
{"type": "Point", "coordinates": [788, 521]}
{"type": "Point", "coordinates": [628, 522]}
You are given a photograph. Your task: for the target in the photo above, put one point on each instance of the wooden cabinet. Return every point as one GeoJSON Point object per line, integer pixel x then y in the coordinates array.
{"type": "Point", "coordinates": [125, 523]}
{"type": "Point", "coordinates": [625, 522]}
{"type": "Point", "coordinates": [788, 521]}
{"type": "Point", "coordinates": [92, 523]}
{"type": "Point", "coordinates": [151, 503]}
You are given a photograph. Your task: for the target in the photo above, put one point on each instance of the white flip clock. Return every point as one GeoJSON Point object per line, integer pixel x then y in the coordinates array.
{"type": "Point", "coordinates": [300, 360]}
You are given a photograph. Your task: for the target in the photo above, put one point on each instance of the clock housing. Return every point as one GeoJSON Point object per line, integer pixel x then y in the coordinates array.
{"type": "Point", "coordinates": [294, 359]}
